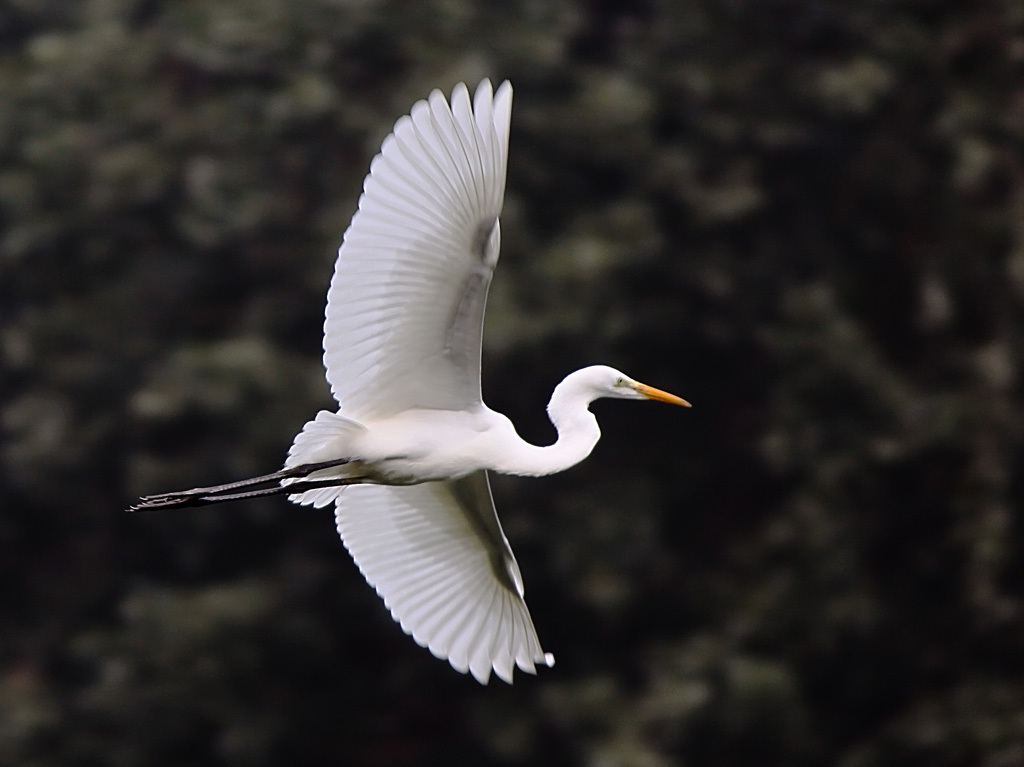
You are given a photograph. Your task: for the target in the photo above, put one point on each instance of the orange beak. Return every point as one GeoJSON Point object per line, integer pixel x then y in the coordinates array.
{"type": "Point", "coordinates": [660, 396]}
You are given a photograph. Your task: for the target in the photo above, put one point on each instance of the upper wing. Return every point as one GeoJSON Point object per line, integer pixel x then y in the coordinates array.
{"type": "Point", "coordinates": [406, 303]}
{"type": "Point", "coordinates": [437, 555]}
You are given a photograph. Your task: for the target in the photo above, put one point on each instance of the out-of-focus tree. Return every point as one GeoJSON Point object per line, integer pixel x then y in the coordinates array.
{"type": "Point", "coordinates": [807, 217]}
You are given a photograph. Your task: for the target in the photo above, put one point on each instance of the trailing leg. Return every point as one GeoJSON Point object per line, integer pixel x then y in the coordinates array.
{"type": "Point", "coordinates": [201, 496]}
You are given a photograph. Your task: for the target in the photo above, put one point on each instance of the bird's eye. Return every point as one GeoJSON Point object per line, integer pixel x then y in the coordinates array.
{"type": "Point", "coordinates": [619, 382]}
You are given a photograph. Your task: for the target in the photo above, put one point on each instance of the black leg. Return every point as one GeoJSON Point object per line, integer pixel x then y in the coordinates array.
{"type": "Point", "coordinates": [200, 496]}
{"type": "Point", "coordinates": [179, 501]}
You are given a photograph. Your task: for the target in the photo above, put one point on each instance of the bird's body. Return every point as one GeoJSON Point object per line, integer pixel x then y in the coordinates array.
{"type": "Point", "coordinates": [405, 459]}
{"type": "Point", "coordinates": [450, 445]}
{"type": "Point", "coordinates": [447, 445]}
{"type": "Point", "coordinates": [427, 445]}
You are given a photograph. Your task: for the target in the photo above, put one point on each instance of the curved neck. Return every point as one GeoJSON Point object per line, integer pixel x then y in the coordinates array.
{"type": "Point", "coordinates": [577, 428]}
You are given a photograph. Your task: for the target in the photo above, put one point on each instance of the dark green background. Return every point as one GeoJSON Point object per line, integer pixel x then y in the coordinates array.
{"type": "Point", "coordinates": [806, 216]}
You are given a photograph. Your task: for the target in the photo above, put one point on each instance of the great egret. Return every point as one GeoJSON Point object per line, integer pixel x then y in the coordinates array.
{"type": "Point", "coordinates": [405, 459]}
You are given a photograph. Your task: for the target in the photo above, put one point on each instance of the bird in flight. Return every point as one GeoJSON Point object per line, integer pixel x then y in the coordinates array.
{"type": "Point", "coordinates": [404, 461]}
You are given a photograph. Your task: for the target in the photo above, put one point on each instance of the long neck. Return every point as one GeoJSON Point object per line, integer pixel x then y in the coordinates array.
{"type": "Point", "coordinates": [578, 432]}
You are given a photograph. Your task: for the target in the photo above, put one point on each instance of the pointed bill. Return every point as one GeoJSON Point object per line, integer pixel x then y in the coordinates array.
{"type": "Point", "coordinates": [660, 396]}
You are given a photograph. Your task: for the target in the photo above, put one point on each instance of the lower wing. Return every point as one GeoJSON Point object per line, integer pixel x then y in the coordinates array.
{"type": "Point", "coordinates": [436, 554]}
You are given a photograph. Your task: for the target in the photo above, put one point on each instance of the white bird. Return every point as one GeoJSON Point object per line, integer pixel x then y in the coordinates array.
{"type": "Point", "coordinates": [405, 459]}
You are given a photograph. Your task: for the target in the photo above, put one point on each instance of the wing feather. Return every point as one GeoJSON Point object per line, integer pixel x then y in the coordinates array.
{"type": "Point", "coordinates": [406, 303]}
{"type": "Point", "coordinates": [443, 569]}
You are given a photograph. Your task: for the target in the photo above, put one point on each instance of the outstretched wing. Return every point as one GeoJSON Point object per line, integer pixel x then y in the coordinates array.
{"type": "Point", "coordinates": [406, 304]}
{"type": "Point", "coordinates": [436, 554]}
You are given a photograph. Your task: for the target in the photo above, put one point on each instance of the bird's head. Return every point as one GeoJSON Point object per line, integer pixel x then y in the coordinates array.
{"type": "Point", "coordinates": [604, 381]}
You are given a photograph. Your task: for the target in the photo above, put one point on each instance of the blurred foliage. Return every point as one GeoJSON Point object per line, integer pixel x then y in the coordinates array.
{"type": "Point", "coordinates": [806, 216]}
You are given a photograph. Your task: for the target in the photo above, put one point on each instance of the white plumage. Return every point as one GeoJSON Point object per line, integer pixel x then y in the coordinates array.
{"type": "Point", "coordinates": [412, 441]}
{"type": "Point", "coordinates": [406, 304]}
{"type": "Point", "coordinates": [428, 216]}
{"type": "Point", "coordinates": [460, 599]}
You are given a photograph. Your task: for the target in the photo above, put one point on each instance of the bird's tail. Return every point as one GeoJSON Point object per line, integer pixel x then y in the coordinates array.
{"type": "Point", "coordinates": [324, 438]}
